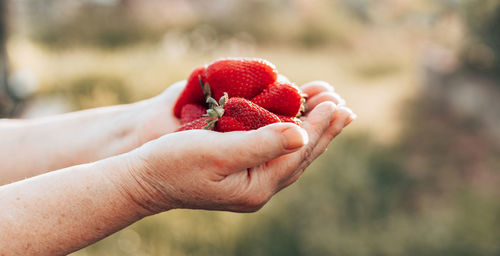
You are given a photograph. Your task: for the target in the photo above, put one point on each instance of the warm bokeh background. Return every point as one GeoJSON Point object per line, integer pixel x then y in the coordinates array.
{"type": "Point", "coordinates": [416, 174]}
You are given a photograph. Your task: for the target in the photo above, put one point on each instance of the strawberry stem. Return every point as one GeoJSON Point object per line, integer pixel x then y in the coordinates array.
{"type": "Point", "coordinates": [215, 109]}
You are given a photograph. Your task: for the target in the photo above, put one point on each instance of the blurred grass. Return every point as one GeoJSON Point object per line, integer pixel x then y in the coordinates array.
{"type": "Point", "coordinates": [91, 91]}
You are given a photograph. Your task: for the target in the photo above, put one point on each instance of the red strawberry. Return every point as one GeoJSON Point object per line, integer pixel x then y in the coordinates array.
{"type": "Point", "coordinates": [250, 115]}
{"type": "Point", "coordinates": [280, 98]}
{"type": "Point", "coordinates": [287, 119]}
{"type": "Point", "coordinates": [192, 93]}
{"type": "Point", "coordinates": [191, 112]}
{"type": "Point", "coordinates": [229, 124]}
{"type": "Point", "coordinates": [257, 98]}
{"type": "Point", "coordinates": [199, 123]}
{"type": "Point", "coordinates": [235, 114]}
{"type": "Point", "coordinates": [244, 78]}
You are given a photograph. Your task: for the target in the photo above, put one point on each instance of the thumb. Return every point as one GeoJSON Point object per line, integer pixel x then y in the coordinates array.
{"type": "Point", "coordinates": [251, 148]}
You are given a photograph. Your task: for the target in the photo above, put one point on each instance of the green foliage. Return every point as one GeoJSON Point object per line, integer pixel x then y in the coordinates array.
{"type": "Point", "coordinates": [482, 51]}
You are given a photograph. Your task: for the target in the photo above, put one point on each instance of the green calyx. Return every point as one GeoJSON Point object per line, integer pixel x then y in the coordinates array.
{"type": "Point", "coordinates": [215, 109]}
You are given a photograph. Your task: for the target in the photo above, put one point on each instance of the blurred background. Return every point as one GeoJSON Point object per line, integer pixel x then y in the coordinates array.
{"type": "Point", "coordinates": [416, 174]}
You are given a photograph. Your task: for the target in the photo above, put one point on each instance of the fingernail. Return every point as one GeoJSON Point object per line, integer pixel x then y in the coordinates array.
{"type": "Point", "coordinates": [294, 137]}
{"type": "Point", "coordinates": [342, 102]}
{"type": "Point", "coordinates": [351, 117]}
{"type": "Point", "coordinates": [348, 121]}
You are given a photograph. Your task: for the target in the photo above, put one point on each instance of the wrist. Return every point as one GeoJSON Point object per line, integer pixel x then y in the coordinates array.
{"type": "Point", "coordinates": [132, 182]}
{"type": "Point", "coordinates": [133, 124]}
{"type": "Point", "coordinates": [152, 119]}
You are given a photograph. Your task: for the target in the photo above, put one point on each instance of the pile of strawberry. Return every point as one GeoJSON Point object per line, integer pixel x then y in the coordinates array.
{"type": "Point", "coordinates": [249, 96]}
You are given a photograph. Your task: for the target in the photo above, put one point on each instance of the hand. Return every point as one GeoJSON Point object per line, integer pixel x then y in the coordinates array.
{"type": "Point", "coordinates": [157, 117]}
{"type": "Point", "coordinates": [236, 171]}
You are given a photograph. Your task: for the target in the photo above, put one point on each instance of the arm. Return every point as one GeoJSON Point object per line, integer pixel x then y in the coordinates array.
{"type": "Point", "coordinates": [60, 141]}
{"type": "Point", "coordinates": [62, 211]}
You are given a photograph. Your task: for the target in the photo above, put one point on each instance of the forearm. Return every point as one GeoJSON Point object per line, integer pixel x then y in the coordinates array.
{"type": "Point", "coordinates": [62, 211]}
{"type": "Point", "coordinates": [32, 147]}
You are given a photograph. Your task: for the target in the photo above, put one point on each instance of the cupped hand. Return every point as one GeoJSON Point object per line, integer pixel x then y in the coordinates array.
{"type": "Point", "coordinates": [156, 117]}
{"type": "Point", "coordinates": [236, 171]}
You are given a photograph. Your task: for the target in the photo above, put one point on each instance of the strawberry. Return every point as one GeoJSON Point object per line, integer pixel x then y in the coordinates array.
{"type": "Point", "coordinates": [244, 78]}
{"type": "Point", "coordinates": [238, 114]}
{"type": "Point", "coordinates": [287, 119]}
{"type": "Point", "coordinates": [250, 97]}
{"type": "Point", "coordinates": [235, 114]}
{"type": "Point", "coordinates": [191, 112]}
{"type": "Point", "coordinates": [281, 98]}
{"type": "Point", "coordinates": [248, 114]}
{"type": "Point", "coordinates": [199, 123]}
{"type": "Point", "coordinates": [238, 77]}
{"type": "Point", "coordinates": [191, 93]}
{"type": "Point", "coordinates": [228, 124]}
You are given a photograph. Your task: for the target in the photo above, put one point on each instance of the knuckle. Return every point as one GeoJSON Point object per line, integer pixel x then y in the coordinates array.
{"type": "Point", "coordinates": [319, 127]}
{"type": "Point", "coordinates": [259, 146]}
{"type": "Point", "coordinates": [256, 152]}
{"type": "Point", "coordinates": [213, 157]}
{"type": "Point", "coordinates": [307, 152]}
{"type": "Point", "coordinates": [305, 163]}
{"type": "Point", "coordinates": [328, 95]}
{"type": "Point", "coordinates": [323, 84]}
{"type": "Point", "coordinates": [216, 160]}
{"type": "Point", "coordinates": [334, 131]}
